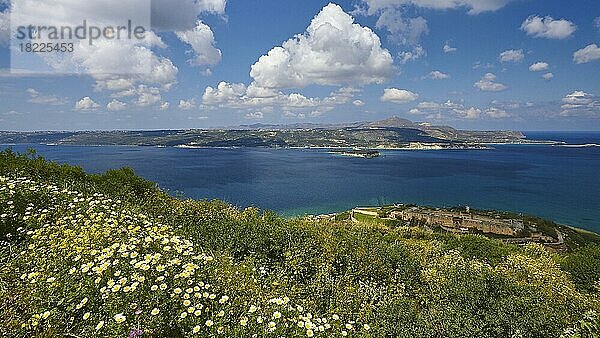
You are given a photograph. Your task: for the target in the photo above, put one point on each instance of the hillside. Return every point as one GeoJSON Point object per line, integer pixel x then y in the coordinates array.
{"type": "Point", "coordinates": [391, 133]}
{"type": "Point", "coordinates": [113, 256]}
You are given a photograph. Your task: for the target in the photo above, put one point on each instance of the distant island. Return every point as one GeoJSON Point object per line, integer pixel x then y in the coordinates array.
{"type": "Point", "coordinates": [392, 133]}
{"type": "Point", "coordinates": [358, 153]}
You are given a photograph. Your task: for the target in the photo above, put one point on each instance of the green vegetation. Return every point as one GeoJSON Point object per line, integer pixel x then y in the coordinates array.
{"type": "Point", "coordinates": [113, 256]}
{"type": "Point", "coordinates": [391, 133]}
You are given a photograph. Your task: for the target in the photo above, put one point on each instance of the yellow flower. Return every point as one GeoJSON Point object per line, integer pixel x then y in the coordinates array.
{"type": "Point", "coordinates": [183, 315]}
{"type": "Point", "coordinates": [209, 323]}
{"type": "Point", "coordinates": [86, 316]}
{"type": "Point", "coordinates": [196, 329]}
{"type": "Point", "coordinates": [252, 309]}
{"type": "Point", "coordinates": [177, 291]}
{"type": "Point", "coordinates": [154, 311]}
{"type": "Point", "coordinates": [277, 315]}
{"type": "Point", "coordinates": [99, 325]}
{"type": "Point", "coordinates": [309, 333]}
{"type": "Point", "coordinates": [223, 299]}
{"type": "Point", "coordinates": [186, 302]}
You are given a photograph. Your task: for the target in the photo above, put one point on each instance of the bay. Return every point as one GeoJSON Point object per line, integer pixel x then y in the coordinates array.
{"type": "Point", "coordinates": [557, 182]}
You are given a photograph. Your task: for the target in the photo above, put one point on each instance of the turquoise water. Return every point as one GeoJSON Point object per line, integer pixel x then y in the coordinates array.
{"type": "Point", "coordinates": [560, 183]}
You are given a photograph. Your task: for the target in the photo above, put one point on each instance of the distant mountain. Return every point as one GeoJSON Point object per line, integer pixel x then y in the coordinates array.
{"type": "Point", "coordinates": [392, 122]}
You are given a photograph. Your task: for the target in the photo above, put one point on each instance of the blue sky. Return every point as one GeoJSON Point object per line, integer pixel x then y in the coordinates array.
{"type": "Point", "coordinates": [521, 64]}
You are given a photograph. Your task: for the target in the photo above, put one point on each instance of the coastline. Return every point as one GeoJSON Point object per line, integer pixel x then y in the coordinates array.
{"type": "Point", "coordinates": [420, 147]}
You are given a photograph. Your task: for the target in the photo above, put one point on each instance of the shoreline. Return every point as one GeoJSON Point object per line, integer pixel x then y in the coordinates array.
{"type": "Point", "coordinates": [426, 147]}
{"type": "Point", "coordinates": [184, 146]}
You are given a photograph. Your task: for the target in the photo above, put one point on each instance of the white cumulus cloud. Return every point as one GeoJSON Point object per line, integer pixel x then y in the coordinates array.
{"type": "Point", "coordinates": [580, 103]}
{"type": "Point", "coordinates": [437, 75]}
{"type": "Point", "coordinates": [539, 67]}
{"type": "Point", "coordinates": [238, 96]}
{"type": "Point", "coordinates": [488, 84]}
{"type": "Point", "coordinates": [587, 54]}
{"type": "Point", "coordinates": [86, 103]}
{"type": "Point", "coordinates": [399, 96]}
{"type": "Point", "coordinates": [147, 96]}
{"type": "Point", "coordinates": [548, 76]}
{"type": "Point", "coordinates": [578, 97]}
{"type": "Point", "coordinates": [202, 41]}
{"type": "Point", "coordinates": [547, 27]}
{"type": "Point", "coordinates": [333, 51]}
{"type": "Point", "coordinates": [187, 104]}
{"type": "Point", "coordinates": [512, 55]}
{"type": "Point", "coordinates": [116, 105]}
{"type": "Point", "coordinates": [448, 49]}
{"type": "Point", "coordinates": [407, 56]}
{"type": "Point", "coordinates": [453, 110]}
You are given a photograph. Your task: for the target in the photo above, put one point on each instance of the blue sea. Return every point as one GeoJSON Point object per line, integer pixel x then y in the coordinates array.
{"type": "Point", "coordinates": [561, 183]}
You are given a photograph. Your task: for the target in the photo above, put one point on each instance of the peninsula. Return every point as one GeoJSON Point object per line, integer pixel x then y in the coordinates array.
{"type": "Point", "coordinates": [392, 133]}
{"type": "Point", "coordinates": [510, 228]}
